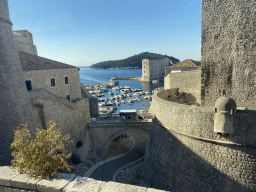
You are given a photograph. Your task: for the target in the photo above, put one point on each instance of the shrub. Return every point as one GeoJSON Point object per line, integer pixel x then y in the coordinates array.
{"type": "Point", "coordinates": [43, 156]}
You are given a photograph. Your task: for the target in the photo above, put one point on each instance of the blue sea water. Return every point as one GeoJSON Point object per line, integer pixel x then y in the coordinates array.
{"type": "Point", "coordinates": [91, 76]}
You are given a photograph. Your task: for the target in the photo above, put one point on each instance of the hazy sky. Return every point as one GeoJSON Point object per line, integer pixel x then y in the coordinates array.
{"type": "Point", "coordinates": [84, 32]}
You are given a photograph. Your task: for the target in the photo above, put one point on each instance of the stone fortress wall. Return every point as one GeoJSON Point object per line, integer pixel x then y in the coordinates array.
{"type": "Point", "coordinates": [71, 117]}
{"type": "Point", "coordinates": [184, 153]}
{"type": "Point", "coordinates": [153, 69]}
{"type": "Point", "coordinates": [229, 51]}
{"type": "Point", "coordinates": [15, 108]}
{"type": "Point", "coordinates": [186, 81]}
{"type": "Point", "coordinates": [24, 41]}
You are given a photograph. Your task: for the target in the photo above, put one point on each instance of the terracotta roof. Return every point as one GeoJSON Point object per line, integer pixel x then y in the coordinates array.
{"type": "Point", "coordinates": [186, 63]}
{"type": "Point", "coordinates": [31, 62]}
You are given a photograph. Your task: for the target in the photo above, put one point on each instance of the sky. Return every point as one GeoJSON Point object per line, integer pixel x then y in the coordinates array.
{"type": "Point", "coordinates": [84, 32]}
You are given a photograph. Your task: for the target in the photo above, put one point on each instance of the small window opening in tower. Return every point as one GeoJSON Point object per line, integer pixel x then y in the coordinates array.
{"type": "Point", "coordinates": [52, 82]}
{"type": "Point", "coordinates": [66, 80]}
{"type": "Point", "coordinates": [28, 85]}
{"type": "Point", "coordinates": [68, 97]}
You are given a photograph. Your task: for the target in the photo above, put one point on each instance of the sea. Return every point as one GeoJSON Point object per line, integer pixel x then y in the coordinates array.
{"type": "Point", "coordinates": [92, 76]}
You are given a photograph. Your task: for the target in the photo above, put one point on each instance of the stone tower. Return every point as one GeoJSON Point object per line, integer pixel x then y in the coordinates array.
{"type": "Point", "coordinates": [15, 107]}
{"type": "Point", "coordinates": [229, 51]}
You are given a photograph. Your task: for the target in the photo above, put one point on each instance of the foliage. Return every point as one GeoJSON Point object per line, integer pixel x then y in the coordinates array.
{"type": "Point", "coordinates": [43, 156]}
{"type": "Point", "coordinates": [132, 62]}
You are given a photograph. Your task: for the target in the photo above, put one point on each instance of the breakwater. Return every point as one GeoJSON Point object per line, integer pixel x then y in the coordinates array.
{"type": "Point", "coordinates": [125, 78]}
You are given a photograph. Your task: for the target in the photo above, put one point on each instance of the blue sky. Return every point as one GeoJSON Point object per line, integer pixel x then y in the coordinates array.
{"type": "Point", "coordinates": [84, 32]}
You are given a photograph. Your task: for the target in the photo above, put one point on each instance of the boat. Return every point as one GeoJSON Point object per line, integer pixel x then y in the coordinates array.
{"type": "Point", "coordinates": [155, 81]}
{"type": "Point", "coordinates": [122, 101]}
{"type": "Point", "coordinates": [130, 101]}
{"type": "Point", "coordinates": [110, 93]}
{"type": "Point", "coordinates": [111, 98]}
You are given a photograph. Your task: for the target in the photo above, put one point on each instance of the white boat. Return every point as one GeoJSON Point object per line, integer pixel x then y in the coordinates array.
{"type": "Point", "coordinates": [155, 81]}
{"type": "Point", "coordinates": [122, 101]}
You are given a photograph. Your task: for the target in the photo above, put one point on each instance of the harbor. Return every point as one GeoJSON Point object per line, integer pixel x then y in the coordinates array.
{"type": "Point", "coordinates": [111, 97]}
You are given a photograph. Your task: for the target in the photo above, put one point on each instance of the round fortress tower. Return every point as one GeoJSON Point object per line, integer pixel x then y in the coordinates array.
{"type": "Point", "coordinates": [211, 147]}
{"type": "Point", "coordinates": [15, 107]}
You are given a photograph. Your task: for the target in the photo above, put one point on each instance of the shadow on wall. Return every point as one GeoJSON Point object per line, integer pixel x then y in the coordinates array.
{"type": "Point", "coordinates": [179, 163]}
{"type": "Point", "coordinates": [178, 96]}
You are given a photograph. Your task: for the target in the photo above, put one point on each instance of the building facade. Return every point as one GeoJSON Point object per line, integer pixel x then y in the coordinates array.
{"type": "Point", "coordinates": [153, 69]}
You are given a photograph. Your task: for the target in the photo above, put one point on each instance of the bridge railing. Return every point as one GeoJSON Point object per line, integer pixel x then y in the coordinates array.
{"type": "Point", "coordinates": [106, 116]}
{"type": "Point", "coordinates": [111, 125]}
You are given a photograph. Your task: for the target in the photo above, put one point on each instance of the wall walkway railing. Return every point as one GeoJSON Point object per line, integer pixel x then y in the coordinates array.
{"type": "Point", "coordinates": [118, 125]}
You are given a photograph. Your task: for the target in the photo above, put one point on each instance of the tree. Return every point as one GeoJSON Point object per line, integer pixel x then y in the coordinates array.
{"type": "Point", "coordinates": [43, 156]}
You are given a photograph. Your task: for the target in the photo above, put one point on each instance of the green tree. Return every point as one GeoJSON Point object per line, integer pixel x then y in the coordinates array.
{"type": "Point", "coordinates": [43, 156]}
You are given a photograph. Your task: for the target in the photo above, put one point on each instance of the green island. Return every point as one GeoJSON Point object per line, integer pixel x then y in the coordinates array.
{"type": "Point", "coordinates": [134, 61]}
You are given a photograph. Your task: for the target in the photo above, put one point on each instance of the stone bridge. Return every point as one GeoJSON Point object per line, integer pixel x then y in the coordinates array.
{"type": "Point", "coordinates": [102, 134]}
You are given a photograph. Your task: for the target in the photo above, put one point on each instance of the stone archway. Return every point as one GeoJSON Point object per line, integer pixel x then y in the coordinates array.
{"type": "Point", "coordinates": [140, 137]}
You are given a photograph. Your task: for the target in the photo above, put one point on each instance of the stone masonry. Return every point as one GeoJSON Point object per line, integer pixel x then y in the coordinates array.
{"type": "Point", "coordinates": [14, 100]}
{"type": "Point", "coordinates": [24, 42]}
{"type": "Point", "coordinates": [229, 51]}
{"type": "Point", "coordinates": [185, 154]}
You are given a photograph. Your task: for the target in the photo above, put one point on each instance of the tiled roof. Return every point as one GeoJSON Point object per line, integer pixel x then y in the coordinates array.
{"type": "Point", "coordinates": [186, 63]}
{"type": "Point", "coordinates": [31, 62]}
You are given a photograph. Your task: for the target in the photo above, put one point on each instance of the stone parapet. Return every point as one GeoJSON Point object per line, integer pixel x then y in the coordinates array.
{"type": "Point", "coordinates": [184, 154]}
{"type": "Point", "coordinates": [12, 181]}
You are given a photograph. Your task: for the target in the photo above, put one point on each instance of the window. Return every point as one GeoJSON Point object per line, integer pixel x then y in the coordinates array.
{"type": "Point", "coordinates": [28, 85]}
{"type": "Point", "coordinates": [66, 80]}
{"type": "Point", "coordinates": [52, 82]}
{"type": "Point", "coordinates": [68, 97]}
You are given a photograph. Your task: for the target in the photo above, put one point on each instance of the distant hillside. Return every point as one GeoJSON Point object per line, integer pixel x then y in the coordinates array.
{"type": "Point", "coordinates": [132, 62]}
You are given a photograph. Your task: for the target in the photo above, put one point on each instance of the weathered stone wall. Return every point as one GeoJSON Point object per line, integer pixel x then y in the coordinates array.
{"type": "Point", "coordinates": [41, 79]}
{"type": "Point", "coordinates": [71, 117]}
{"type": "Point", "coordinates": [187, 81]}
{"type": "Point", "coordinates": [15, 108]}
{"type": "Point", "coordinates": [24, 41]}
{"type": "Point", "coordinates": [184, 154]}
{"type": "Point", "coordinates": [154, 69]}
{"type": "Point", "coordinates": [94, 108]}
{"type": "Point", "coordinates": [228, 51]}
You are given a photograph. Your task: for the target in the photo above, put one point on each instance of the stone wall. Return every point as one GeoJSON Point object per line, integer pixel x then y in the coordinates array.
{"type": "Point", "coordinates": [71, 117]}
{"type": "Point", "coordinates": [41, 79]}
{"type": "Point", "coordinates": [184, 154]}
{"type": "Point", "coordinates": [228, 51]}
{"type": "Point", "coordinates": [15, 108]}
{"type": "Point", "coordinates": [24, 41]}
{"type": "Point", "coordinates": [12, 181]}
{"type": "Point", "coordinates": [187, 81]}
{"type": "Point", "coordinates": [94, 108]}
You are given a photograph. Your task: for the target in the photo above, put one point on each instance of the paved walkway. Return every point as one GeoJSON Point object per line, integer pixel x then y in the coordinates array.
{"type": "Point", "coordinates": [106, 171]}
